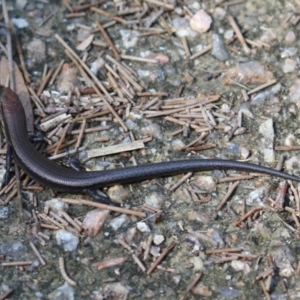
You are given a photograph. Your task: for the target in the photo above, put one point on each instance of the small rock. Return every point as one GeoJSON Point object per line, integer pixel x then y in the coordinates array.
{"type": "Point", "coordinates": [229, 292]}
{"type": "Point", "coordinates": [116, 290]}
{"type": "Point", "coordinates": [256, 196]}
{"type": "Point", "coordinates": [158, 239]}
{"type": "Point", "coordinates": [289, 65]}
{"type": "Point", "coordinates": [117, 222]}
{"type": "Point", "coordinates": [206, 183]}
{"type": "Point", "coordinates": [153, 129]}
{"type": "Point", "coordinates": [20, 23]}
{"type": "Point", "coordinates": [36, 51]}
{"type": "Point", "coordinates": [182, 28]}
{"type": "Point", "coordinates": [20, 4]}
{"type": "Point", "coordinates": [251, 72]}
{"type": "Point", "coordinates": [292, 164]}
{"type": "Point", "coordinates": [13, 249]}
{"type": "Point", "coordinates": [64, 292]}
{"type": "Point", "coordinates": [219, 50]}
{"type": "Point", "coordinates": [219, 13]}
{"type": "Point", "coordinates": [161, 58]}
{"type": "Point", "coordinates": [290, 140]}
{"type": "Point", "coordinates": [177, 144]}
{"type": "Point", "coordinates": [288, 52]}
{"type": "Point", "coordinates": [197, 262]}
{"type": "Point", "coordinates": [2, 176]}
{"type": "Point", "coordinates": [142, 227]}
{"type": "Point", "coordinates": [228, 34]}
{"type": "Point", "coordinates": [129, 38]}
{"type": "Point", "coordinates": [97, 65]}
{"type": "Point", "coordinates": [130, 234]}
{"type": "Point", "coordinates": [155, 251]}
{"type": "Point", "coordinates": [155, 199]}
{"type": "Point", "coordinates": [290, 37]}
{"type": "Point", "coordinates": [267, 130]}
{"type": "Point", "coordinates": [4, 210]}
{"type": "Point", "coordinates": [68, 78]}
{"type": "Point", "coordinates": [131, 125]}
{"type": "Point", "coordinates": [200, 21]}
{"type": "Point", "coordinates": [198, 216]}
{"type": "Point", "coordinates": [239, 265]}
{"type": "Point", "coordinates": [294, 93]}
{"type": "Point", "coordinates": [68, 240]}
{"type": "Point", "coordinates": [202, 290]}
{"type": "Point", "coordinates": [94, 221]}
{"type": "Point", "coordinates": [245, 152]}
{"type": "Point", "coordinates": [56, 205]}
{"type": "Point", "coordinates": [117, 193]}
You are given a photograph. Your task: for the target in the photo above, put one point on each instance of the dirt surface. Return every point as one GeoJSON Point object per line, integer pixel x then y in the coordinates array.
{"type": "Point", "coordinates": [229, 90]}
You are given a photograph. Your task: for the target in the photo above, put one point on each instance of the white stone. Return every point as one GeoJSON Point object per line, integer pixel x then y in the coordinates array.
{"type": "Point", "coordinates": [201, 21]}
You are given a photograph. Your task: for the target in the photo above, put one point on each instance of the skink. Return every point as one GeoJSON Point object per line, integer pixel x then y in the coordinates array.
{"type": "Point", "coordinates": [60, 178]}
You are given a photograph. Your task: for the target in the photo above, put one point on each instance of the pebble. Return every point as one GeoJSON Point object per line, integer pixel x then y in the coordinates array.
{"type": "Point", "coordinates": [206, 183]}
{"type": "Point", "coordinates": [4, 210]}
{"type": "Point", "coordinates": [142, 227]}
{"type": "Point", "coordinates": [201, 21]}
{"type": "Point", "coordinates": [155, 200]}
{"type": "Point", "coordinates": [13, 249]}
{"type": "Point", "coordinates": [2, 176]}
{"type": "Point", "coordinates": [97, 65]}
{"type": "Point", "coordinates": [20, 4]}
{"type": "Point", "coordinates": [268, 36]}
{"type": "Point", "coordinates": [116, 290]}
{"type": "Point", "coordinates": [294, 92]}
{"type": "Point", "coordinates": [119, 221]}
{"type": "Point", "coordinates": [94, 221]}
{"type": "Point", "coordinates": [244, 152]}
{"type": "Point", "coordinates": [177, 144]}
{"type": "Point", "coordinates": [219, 13]}
{"type": "Point", "coordinates": [20, 23]}
{"type": "Point", "coordinates": [68, 240]}
{"type": "Point", "coordinates": [158, 239]}
{"type": "Point", "coordinates": [131, 125]}
{"type": "Point", "coordinates": [283, 258]}
{"type": "Point", "coordinates": [129, 38]}
{"type": "Point", "coordinates": [290, 37]}
{"type": "Point", "coordinates": [288, 52]}
{"type": "Point", "coordinates": [202, 290]}
{"type": "Point", "coordinates": [219, 50]}
{"type": "Point", "coordinates": [228, 34]}
{"type": "Point", "coordinates": [153, 129]}
{"type": "Point", "coordinates": [36, 51]}
{"type": "Point", "coordinates": [130, 234]}
{"type": "Point", "coordinates": [239, 265]}
{"type": "Point", "coordinates": [117, 193]}
{"type": "Point", "coordinates": [268, 93]}
{"type": "Point", "coordinates": [289, 65]}
{"type": "Point", "coordinates": [65, 292]}
{"type": "Point", "coordinates": [68, 78]}
{"type": "Point", "coordinates": [198, 216]}
{"type": "Point", "coordinates": [256, 196]}
{"type": "Point", "coordinates": [229, 292]}
{"type": "Point", "coordinates": [56, 205]}
{"type": "Point", "coordinates": [252, 72]}
{"type": "Point", "coordinates": [182, 28]}
{"type": "Point", "coordinates": [289, 140]}
{"type": "Point", "coordinates": [266, 129]}
{"type": "Point", "coordinates": [197, 262]}
{"type": "Point", "coordinates": [292, 164]}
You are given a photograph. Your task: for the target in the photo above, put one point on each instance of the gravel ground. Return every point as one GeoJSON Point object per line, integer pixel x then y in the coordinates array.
{"type": "Point", "coordinates": [184, 79]}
